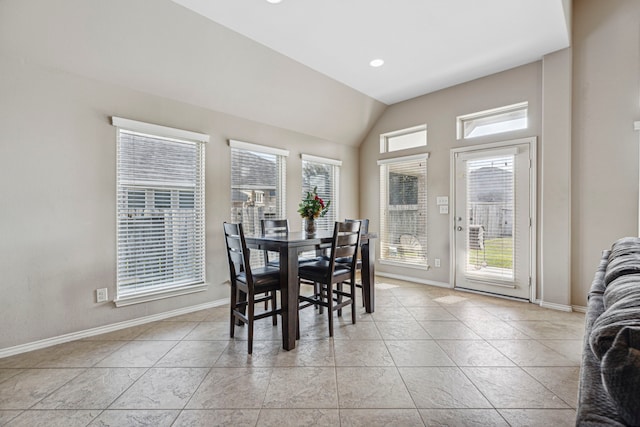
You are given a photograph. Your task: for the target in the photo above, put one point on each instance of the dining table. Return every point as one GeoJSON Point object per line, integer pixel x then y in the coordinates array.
{"type": "Point", "coordinates": [289, 246]}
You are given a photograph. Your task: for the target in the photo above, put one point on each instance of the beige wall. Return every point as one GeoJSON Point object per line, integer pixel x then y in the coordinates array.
{"type": "Point", "coordinates": [583, 103]}
{"type": "Point", "coordinates": [57, 187]}
{"type": "Point", "coordinates": [554, 262]}
{"type": "Point", "coordinates": [606, 98]}
{"type": "Point", "coordinates": [57, 164]}
{"type": "Point", "coordinates": [439, 111]}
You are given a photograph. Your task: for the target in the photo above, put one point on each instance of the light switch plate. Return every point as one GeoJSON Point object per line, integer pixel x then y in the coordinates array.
{"type": "Point", "coordinates": [442, 200]}
{"type": "Point", "coordinates": [444, 209]}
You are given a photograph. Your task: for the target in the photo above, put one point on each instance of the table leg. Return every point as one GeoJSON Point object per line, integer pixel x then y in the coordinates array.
{"type": "Point", "coordinates": [289, 296]}
{"type": "Point", "coordinates": [368, 276]}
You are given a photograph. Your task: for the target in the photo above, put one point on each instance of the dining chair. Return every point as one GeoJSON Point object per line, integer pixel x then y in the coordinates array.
{"type": "Point", "coordinates": [272, 226]}
{"type": "Point", "coordinates": [275, 226]}
{"type": "Point", "coordinates": [246, 283]}
{"type": "Point", "coordinates": [364, 229]}
{"type": "Point", "coordinates": [327, 272]}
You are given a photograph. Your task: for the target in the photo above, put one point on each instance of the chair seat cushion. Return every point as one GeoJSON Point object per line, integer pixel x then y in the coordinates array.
{"type": "Point", "coordinates": [317, 271]}
{"type": "Point", "coordinates": [346, 261]}
{"type": "Point", "coordinates": [308, 260]}
{"type": "Point", "coordinates": [263, 277]}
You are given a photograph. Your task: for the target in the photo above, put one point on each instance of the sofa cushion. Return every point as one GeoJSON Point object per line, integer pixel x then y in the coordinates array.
{"type": "Point", "coordinates": [620, 368]}
{"type": "Point", "coordinates": [623, 287]}
{"type": "Point", "coordinates": [608, 324]}
{"type": "Point", "coordinates": [624, 246]}
{"type": "Point", "coordinates": [621, 265]}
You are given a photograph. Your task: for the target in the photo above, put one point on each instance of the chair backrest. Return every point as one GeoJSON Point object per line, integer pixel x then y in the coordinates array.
{"type": "Point", "coordinates": [273, 226]}
{"type": "Point", "coordinates": [364, 225]}
{"type": "Point", "coordinates": [237, 252]}
{"type": "Point", "coordinates": [346, 239]}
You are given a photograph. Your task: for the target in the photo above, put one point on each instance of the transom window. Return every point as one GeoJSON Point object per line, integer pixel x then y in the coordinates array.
{"type": "Point", "coordinates": [160, 212]}
{"type": "Point", "coordinates": [489, 122]}
{"type": "Point", "coordinates": [404, 139]}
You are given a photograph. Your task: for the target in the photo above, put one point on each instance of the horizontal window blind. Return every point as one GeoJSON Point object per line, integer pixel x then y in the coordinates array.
{"type": "Point", "coordinates": [258, 189]}
{"type": "Point", "coordinates": [160, 213]}
{"type": "Point", "coordinates": [403, 210]}
{"type": "Point", "coordinates": [325, 175]}
{"type": "Point", "coordinates": [491, 232]}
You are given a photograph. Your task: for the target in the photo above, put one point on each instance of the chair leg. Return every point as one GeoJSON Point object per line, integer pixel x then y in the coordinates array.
{"type": "Point", "coordinates": [330, 309]}
{"type": "Point", "coordinates": [321, 296]}
{"type": "Point", "coordinates": [232, 320]}
{"type": "Point", "coordinates": [340, 299]}
{"type": "Point", "coordinates": [274, 306]}
{"type": "Point", "coordinates": [316, 294]}
{"type": "Point", "coordinates": [298, 324]}
{"type": "Point", "coordinates": [250, 314]}
{"type": "Point", "coordinates": [353, 303]}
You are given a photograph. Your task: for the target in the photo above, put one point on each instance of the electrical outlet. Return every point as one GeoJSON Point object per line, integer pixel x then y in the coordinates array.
{"type": "Point", "coordinates": [437, 261]}
{"type": "Point", "coordinates": [101, 295]}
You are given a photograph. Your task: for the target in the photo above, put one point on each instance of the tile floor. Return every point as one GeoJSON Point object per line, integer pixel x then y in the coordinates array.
{"type": "Point", "coordinates": [427, 356]}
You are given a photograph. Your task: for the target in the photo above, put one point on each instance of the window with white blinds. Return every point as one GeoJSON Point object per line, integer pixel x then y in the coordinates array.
{"type": "Point", "coordinates": [258, 186]}
{"type": "Point", "coordinates": [325, 175]}
{"type": "Point", "coordinates": [403, 210]}
{"type": "Point", "coordinates": [160, 211]}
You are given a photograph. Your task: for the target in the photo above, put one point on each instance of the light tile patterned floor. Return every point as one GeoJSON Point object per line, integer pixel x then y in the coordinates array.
{"type": "Point", "coordinates": [427, 356]}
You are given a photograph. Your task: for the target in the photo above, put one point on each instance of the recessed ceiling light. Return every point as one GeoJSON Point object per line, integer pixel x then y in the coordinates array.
{"type": "Point", "coordinates": [377, 63]}
{"type": "Point", "coordinates": [274, 1]}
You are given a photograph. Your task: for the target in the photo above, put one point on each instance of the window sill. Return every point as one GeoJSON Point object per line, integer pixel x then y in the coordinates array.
{"type": "Point", "coordinates": [153, 295]}
{"type": "Point", "coordinates": [404, 264]}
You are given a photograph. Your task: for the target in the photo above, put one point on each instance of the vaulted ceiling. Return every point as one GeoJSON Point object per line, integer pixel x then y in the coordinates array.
{"type": "Point", "coordinates": [300, 65]}
{"type": "Point", "coordinates": [426, 45]}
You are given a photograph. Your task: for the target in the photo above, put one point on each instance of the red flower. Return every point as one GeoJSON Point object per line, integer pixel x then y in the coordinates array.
{"type": "Point", "coordinates": [321, 201]}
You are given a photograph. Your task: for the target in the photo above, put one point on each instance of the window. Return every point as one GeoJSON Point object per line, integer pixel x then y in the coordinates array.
{"type": "Point", "coordinates": [160, 212]}
{"type": "Point", "coordinates": [404, 139]}
{"type": "Point", "coordinates": [325, 175]}
{"type": "Point", "coordinates": [258, 176]}
{"type": "Point", "coordinates": [403, 210]}
{"type": "Point", "coordinates": [489, 122]}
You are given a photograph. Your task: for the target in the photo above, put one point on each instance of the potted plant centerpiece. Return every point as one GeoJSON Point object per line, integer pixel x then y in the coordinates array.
{"type": "Point", "coordinates": [312, 207]}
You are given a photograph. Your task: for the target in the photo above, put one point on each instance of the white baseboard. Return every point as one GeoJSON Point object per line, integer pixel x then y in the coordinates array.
{"type": "Point", "coordinates": [413, 279]}
{"type": "Point", "coordinates": [48, 342]}
{"type": "Point", "coordinates": [579, 308]}
{"type": "Point", "coordinates": [554, 306]}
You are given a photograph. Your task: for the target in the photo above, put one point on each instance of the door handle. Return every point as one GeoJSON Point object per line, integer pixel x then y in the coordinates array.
{"type": "Point", "coordinates": [459, 228]}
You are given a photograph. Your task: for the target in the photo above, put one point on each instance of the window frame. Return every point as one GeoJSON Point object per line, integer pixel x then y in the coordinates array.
{"type": "Point", "coordinates": [421, 208]}
{"type": "Point", "coordinates": [146, 194]}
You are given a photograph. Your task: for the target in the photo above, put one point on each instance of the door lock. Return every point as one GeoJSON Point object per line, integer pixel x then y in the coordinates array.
{"type": "Point", "coordinates": [459, 228]}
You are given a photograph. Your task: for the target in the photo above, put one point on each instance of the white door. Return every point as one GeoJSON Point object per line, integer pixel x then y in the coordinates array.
{"type": "Point", "coordinates": [493, 219]}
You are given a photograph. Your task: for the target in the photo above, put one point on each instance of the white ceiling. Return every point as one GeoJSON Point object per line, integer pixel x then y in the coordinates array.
{"type": "Point", "coordinates": [426, 44]}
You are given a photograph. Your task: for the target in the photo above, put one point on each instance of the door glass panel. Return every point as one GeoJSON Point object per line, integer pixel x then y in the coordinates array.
{"type": "Point", "coordinates": [490, 228]}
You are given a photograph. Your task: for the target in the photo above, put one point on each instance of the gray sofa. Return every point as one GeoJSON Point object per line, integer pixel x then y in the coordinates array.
{"type": "Point", "coordinates": [609, 392]}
